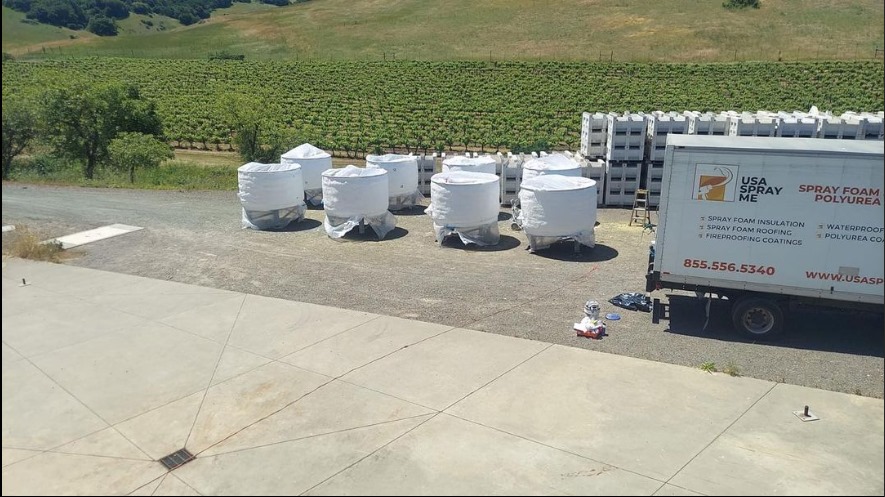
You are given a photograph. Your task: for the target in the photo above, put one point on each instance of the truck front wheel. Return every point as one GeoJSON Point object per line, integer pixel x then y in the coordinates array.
{"type": "Point", "coordinates": [757, 317]}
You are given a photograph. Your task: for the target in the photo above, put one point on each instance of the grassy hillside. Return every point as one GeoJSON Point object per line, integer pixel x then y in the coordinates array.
{"type": "Point", "coordinates": [20, 37]}
{"type": "Point", "coordinates": [625, 30]}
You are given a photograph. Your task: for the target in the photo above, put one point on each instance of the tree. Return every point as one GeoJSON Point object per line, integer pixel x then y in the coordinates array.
{"type": "Point", "coordinates": [254, 135]}
{"type": "Point", "coordinates": [19, 129]}
{"type": "Point", "coordinates": [102, 26]}
{"type": "Point", "coordinates": [129, 151]}
{"type": "Point", "coordinates": [81, 120]}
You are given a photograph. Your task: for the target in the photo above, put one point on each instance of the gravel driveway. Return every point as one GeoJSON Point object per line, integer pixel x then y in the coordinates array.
{"type": "Point", "coordinates": [195, 237]}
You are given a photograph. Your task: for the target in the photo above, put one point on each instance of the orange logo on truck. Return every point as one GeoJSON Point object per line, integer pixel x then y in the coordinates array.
{"type": "Point", "coordinates": [714, 182]}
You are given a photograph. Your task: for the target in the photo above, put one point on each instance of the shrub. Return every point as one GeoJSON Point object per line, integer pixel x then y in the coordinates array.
{"type": "Point", "coordinates": [740, 4]}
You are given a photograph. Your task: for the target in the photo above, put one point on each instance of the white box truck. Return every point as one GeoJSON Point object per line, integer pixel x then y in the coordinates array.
{"type": "Point", "coordinates": [771, 224]}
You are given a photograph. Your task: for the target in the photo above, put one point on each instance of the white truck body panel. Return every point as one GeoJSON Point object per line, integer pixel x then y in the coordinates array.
{"type": "Point", "coordinates": [792, 216]}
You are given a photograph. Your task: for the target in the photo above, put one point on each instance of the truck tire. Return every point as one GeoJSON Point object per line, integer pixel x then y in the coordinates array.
{"type": "Point", "coordinates": [757, 317]}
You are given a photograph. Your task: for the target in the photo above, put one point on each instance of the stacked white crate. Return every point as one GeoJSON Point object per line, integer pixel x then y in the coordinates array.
{"type": "Point", "coordinates": [708, 123]}
{"type": "Point", "coordinates": [753, 124]}
{"type": "Point", "coordinates": [660, 124]}
{"type": "Point", "coordinates": [840, 127]}
{"type": "Point", "coordinates": [593, 134]}
{"type": "Point", "coordinates": [796, 125]}
{"type": "Point", "coordinates": [621, 182]}
{"type": "Point", "coordinates": [624, 153]}
{"type": "Point", "coordinates": [510, 173]}
{"type": "Point", "coordinates": [625, 137]}
{"type": "Point", "coordinates": [874, 129]}
{"type": "Point", "coordinates": [426, 169]}
{"type": "Point", "coordinates": [871, 124]}
{"type": "Point", "coordinates": [595, 170]}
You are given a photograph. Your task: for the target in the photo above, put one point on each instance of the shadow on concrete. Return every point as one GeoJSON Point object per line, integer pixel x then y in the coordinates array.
{"type": "Point", "coordinates": [369, 235]}
{"type": "Point", "coordinates": [303, 225]}
{"type": "Point", "coordinates": [417, 210]}
{"type": "Point", "coordinates": [505, 243]}
{"type": "Point", "coordinates": [504, 216]}
{"type": "Point", "coordinates": [565, 251]}
{"type": "Point", "coordinates": [847, 332]}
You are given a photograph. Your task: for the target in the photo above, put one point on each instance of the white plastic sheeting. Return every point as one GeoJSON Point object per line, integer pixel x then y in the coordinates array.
{"type": "Point", "coordinates": [272, 195]}
{"type": "Point", "coordinates": [354, 195]}
{"type": "Point", "coordinates": [402, 176]}
{"type": "Point", "coordinates": [313, 162]}
{"type": "Point", "coordinates": [466, 204]}
{"type": "Point", "coordinates": [470, 164]}
{"type": "Point", "coordinates": [551, 164]}
{"type": "Point", "coordinates": [555, 207]}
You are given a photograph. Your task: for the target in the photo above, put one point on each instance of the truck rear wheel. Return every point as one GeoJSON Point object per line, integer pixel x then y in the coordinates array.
{"type": "Point", "coordinates": [757, 317]}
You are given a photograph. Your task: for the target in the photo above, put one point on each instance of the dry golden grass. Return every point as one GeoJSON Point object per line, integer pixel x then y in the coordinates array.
{"type": "Point", "coordinates": [26, 244]}
{"type": "Point", "coordinates": [624, 31]}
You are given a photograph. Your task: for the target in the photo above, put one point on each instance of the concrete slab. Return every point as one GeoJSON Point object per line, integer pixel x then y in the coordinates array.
{"type": "Point", "coordinates": [163, 305]}
{"type": "Point", "coordinates": [38, 414]}
{"type": "Point", "coordinates": [450, 456]}
{"type": "Point", "coordinates": [122, 375]}
{"type": "Point", "coordinates": [94, 235]}
{"type": "Point", "coordinates": [213, 321]}
{"type": "Point", "coordinates": [275, 328]}
{"type": "Point", "coordinates": [18, 299]}
{"type": "Point", "coordinates": [12, 456]}
{"type": "Point", "coordinates": [336, 406]}
{"type": "Point", "coordinates": [150, 487]}
{"type": "Point", "coordinates": [359, 346]}
{"type": "Point", "coordinates": [526, 418]}
{"type": "Point", "coordinates": [289, 468]}
{"type": "Point", "coordinates": [668, 490]}
{"type": "Point", "coordinates": [62, 322]}
{"type": "Point", "coordinates": [235, 404]}
{"type": "Point", "coordinates": [86, 283]}
{"type": "Point", "coordinates": [71, 474]}
{"type": "Point", "coordinates": [10, 355]}
{"type": "Point", "coordinates": [162, 431]}
{"type": "Point", "coordinates": [442, 370]}
{"type": "Point", "coordinates": [769, 451]}
{"type": "Point", "coordinates": [235, 362]}
{"type": "Point", "coordinates": [172, 485]}
{"type": "Point", "coordinates": [105, 443]}
{"type": "Point", "coordinates": [613, 409]}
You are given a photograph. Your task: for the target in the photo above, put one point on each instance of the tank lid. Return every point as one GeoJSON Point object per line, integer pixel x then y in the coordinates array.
{"type": "Point", "coordinates": [557, 182]}
{"type": "Point", "coordinates": [552, 162]}
{"type": "Point", "coordinates": [257, 167]}
{"type": "Point", "coordinates": [306, 151]}
{"type": "Point", "coordinates": [463, 178]}
{"type": "Point", "coordinates": [351, 171]}
{"type": "Point", "coordinates": [387, 158]}
{"type": "Point", "coordinates": [460, 160]}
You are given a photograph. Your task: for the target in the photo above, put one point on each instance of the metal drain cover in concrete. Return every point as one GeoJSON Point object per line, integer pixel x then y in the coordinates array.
{"type": "Point", "coordinates": [84, 237]}
{"type": "Point", "coordinates": [177, 458]}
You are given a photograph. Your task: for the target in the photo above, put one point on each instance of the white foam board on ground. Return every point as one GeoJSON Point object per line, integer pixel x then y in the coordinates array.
{"type": "Point", "coordinates": [84, 237]}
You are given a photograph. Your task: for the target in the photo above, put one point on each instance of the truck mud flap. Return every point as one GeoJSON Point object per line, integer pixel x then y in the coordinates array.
{"type": "Point", "coordinates": [659, 311]}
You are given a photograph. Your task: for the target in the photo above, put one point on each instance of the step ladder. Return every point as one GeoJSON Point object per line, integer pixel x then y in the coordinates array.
{"type": "Point", "coordinates": [640, 212]}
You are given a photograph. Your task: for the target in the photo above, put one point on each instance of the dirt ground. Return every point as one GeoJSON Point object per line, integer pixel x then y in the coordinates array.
{"type": "Point", "coordinates": [195, 237]}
